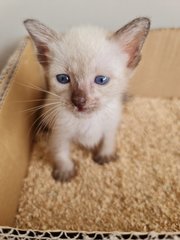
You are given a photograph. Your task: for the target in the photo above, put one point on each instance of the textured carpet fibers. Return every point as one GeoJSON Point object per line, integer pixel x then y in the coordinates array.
{"type": "Point", "coordinates": [138, 192]}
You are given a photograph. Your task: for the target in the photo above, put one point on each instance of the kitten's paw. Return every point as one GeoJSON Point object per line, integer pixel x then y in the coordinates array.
{"type": "Point", "coordinates": [104, 159]}
{"type": "Point", "coordinates": [64, 173]}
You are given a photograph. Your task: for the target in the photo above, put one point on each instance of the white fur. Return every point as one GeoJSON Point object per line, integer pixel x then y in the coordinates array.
{"type": "Point", "coordinates": [87, 52]}
{"type": "Point", "coordinates": [87, 131]}
{"type": "Point", "coordinates": [83, 53]}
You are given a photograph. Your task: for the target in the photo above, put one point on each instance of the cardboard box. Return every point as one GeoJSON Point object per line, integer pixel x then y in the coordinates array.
{"type": "Point", "coordinates": [157, 76]}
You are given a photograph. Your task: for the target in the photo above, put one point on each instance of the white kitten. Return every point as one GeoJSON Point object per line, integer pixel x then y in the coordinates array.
{"type": "Point", "coordinates": [87, 69]}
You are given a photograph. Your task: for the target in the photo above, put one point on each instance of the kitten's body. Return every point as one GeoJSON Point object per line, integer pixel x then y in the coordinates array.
{"type": "Point", "coordinates": [87, 131]}
{"type": "Point", "coordinates": [83, 110]}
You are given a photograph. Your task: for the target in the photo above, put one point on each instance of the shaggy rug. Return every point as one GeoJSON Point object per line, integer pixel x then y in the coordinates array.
{"type": "Point", "coordinates": [138, 192]}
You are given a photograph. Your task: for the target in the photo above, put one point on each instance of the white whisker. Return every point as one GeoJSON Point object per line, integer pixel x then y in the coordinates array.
{"type": "Point", "coordinates": [38, 88]}
{"type": "Point", "coordinates": [40, 117]}
{"type": "Point", "coordinates": [29, 101]}
{"type": "Point", "coordinates": [49, 117]}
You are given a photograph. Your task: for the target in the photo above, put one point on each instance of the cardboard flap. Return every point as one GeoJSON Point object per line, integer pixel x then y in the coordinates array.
{"type": "Point", "coordinates": [15, 122]}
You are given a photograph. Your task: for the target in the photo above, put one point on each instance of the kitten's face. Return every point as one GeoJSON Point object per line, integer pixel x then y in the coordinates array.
{"type": "Point", "coordinates": [88, 67]}
{"type": "Point", "coordinates": [93, 66]}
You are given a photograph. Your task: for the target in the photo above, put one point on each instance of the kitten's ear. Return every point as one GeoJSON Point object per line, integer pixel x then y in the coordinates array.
{"type": "Point", "coordinates": [131, 38]}
{"type": "Point", "coordinates": [42, 36]}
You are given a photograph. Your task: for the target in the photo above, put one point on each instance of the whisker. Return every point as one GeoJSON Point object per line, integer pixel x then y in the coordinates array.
{"type": "Point", "coordinates": [29, 101]}
{"type": "Point", "coordinates": [51, 118]}
{"type": "Point", "coordinates": [37, 88]}
{"type": "Point", "coordinates": [47, 118]}
{"type": "Point", "coordinates": [41, 123]}
{"type": "Point", "coordinates": [37, 119]}
{"type": "Point", "coordinates": [40, 107]}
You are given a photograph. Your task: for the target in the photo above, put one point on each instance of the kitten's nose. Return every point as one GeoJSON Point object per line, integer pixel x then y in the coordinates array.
{"type": "Point", "coordinates": [78, 98]}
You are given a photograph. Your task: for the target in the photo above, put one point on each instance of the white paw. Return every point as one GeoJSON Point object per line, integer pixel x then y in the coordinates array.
{"type": "Point", "coordinates": [64, 172]}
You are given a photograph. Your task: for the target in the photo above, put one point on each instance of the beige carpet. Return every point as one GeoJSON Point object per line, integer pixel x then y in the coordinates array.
{"type": "Point", "coordinates": [138, 192]}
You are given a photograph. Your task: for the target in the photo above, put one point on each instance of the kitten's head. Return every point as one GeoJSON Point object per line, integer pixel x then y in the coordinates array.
{"type": "Point", "coordinates": [87, 67]}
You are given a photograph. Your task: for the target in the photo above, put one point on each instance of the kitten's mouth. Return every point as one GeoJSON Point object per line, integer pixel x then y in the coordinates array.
{"type": "Point", "coordinates": [84, 110]}
{"type": "Point", "coordinates": [80, 109]}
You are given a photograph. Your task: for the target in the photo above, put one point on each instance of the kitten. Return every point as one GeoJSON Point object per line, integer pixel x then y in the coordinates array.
{"type": "Point", "coordinates": [87, 69]}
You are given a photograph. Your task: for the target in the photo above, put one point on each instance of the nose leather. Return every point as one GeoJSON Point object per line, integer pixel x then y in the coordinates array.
{"type": "Point", "coordinates": [78, 98]}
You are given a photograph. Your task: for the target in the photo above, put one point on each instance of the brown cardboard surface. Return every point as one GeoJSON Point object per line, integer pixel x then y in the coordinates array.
{"type": "Point", "coordinates": [158, 74]}
{"type": "Point", "coordinates": [14, 131]}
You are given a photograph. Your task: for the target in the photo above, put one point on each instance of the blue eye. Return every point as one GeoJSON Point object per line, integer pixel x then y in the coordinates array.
{"type": "Point", "coordinates": [63, 78]}
{"type": "Point", "coordinates": [101, 80]}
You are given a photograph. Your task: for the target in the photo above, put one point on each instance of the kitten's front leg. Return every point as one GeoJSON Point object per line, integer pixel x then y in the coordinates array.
{"type": "Point", "coordinates": [64, 168]}
{"type": "Point", "coordinates": [105, 152]}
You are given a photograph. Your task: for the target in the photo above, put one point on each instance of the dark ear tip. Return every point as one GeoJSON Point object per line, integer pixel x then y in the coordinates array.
{"type": "Point", "coordinates": [29, 20]}
{"type": "Point", "coordinates": [26, 22]}
{"type": "Point", "coordinates": [146, 21]}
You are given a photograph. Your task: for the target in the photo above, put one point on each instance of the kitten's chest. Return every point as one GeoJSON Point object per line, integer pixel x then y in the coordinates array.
{"type": "Point", "coordinates": [89, 131]}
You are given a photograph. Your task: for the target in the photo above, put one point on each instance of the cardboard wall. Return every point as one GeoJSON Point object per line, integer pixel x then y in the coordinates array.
{"type": "Point", "coordinates": [158, 74]}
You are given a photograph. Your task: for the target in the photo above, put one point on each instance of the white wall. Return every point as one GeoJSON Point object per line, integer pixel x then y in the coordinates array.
{"type": "Point", "coordinates": [61, 14]}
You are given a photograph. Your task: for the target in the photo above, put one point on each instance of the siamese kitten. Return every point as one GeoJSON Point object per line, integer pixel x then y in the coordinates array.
{"type": "Point", "coordinates": [87, 70]}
